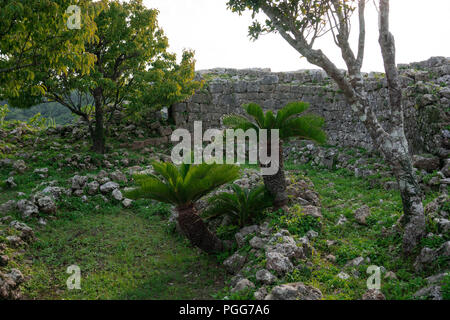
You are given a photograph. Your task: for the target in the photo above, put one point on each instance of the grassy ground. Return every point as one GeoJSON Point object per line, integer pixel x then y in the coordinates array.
{"type": "Point", "coordinates": [122, 255]}
{"type": "Point", "coordinates": [342, 194]}
{"type": "Point", "coordinates": [132, 254]}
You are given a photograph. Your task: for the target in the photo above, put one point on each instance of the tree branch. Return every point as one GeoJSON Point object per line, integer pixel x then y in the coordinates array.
{"type": "Point", "coordinates": [387, 44]}
{"type": "Point", "coordinates": [362, 34]}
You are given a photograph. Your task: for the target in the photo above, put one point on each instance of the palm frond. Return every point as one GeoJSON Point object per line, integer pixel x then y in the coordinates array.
{"type": "Point", "coordinates": [184, 184]}
{"type": "Point", "coordinates": [243, 206]}
{"type": "Point", "coordinates": [238, 122]}
{"type": "Point", "coordinates": [153, 188]}
{"type": "Point", "coordinates": [308, 127]}
{"type": "Point", "coordinates": [256, 112]}
{"type": "Point", "coordinates": [269, 121]}
{"type": "Point", "coordinates": [289, 110]}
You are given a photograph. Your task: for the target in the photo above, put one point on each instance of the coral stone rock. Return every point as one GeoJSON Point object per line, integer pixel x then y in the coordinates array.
{"type": "Point", "coordinates": [294, 291]}
{"type": "Point", "coordinates": [362, 214]}
{"type": "Point", "coordinates": [373, 294]}
{"type": "Point", "coordinates": [109, 187]}
{"type": "Point", "coordinates": [234, 263]}
{"type": "Point", "coordinates": [265, 276]}
{"type": "Point", "coordinates": [278, 263]}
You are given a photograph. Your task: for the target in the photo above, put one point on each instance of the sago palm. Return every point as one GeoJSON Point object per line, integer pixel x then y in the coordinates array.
{"type": "Point", "coordinates": [182, 186]}
{"type": "Point", "coordinates": [243, 206]}
{"type": "Point", "coordinates": [291, 122]}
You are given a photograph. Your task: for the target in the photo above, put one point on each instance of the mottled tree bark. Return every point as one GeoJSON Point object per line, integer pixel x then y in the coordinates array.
{"type": "Point", "coordinates": [413, 219]}
{"type": "Point", "coordinates": [196, 231]}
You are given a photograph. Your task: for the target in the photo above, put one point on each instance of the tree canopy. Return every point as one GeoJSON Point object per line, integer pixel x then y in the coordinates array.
{"type": "Point", "coordinates": [35, 33]}
{"type": "Point", "coordinates": [133, 70]}
{"type": "Point", "coordinates": [132, 63]}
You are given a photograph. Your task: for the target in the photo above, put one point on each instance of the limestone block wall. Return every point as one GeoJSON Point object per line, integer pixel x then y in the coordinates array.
{"type": "Point", "coordinates": [426, 101]}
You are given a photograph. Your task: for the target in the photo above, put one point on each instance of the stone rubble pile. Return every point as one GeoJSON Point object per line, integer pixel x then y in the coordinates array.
{"type": "Point", "coordinates": [17, 237]}
{"type": "Point", "coordinates": [433, 172]}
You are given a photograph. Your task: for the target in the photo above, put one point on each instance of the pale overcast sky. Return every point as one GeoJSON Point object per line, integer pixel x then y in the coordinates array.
{"type": "Point", "coordinates": [219, 37]}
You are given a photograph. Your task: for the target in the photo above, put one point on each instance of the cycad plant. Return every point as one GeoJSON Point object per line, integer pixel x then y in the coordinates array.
{"type": "Point", "coordinates": [291, 122]}
{"type": "Point", "coordinates": [182, 186]}
{"type": "Point", "coordinates": [243, 206]}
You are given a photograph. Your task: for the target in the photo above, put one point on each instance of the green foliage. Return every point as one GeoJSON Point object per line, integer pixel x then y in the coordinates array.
{"type": "Point", "coordinates": [379, 242]}
{"type": "Point", "coordinates": [148, 208]}
{"type": "Point", "coordinates": [34, 36]}
{"type": "Point", "coordinates": [53, 110]}
{"type": "Point", "coordinates": [51, 123]}
{"type": "Point", "coordinates": [150, 263]}
{"type": "Point", "coordinates": [37, 121]}
{"type": "Point", "coordinates": [243, 206]}
{"type": "Point", "coordinates": [296, 222]}
{"type": "Point", "coordinates": [133, 70]}
{"type": "Point", "coordinates": [133, 63]}
{"type": "Point", "coordinates": [3, 112]}
{"type": "Point", "coordinates": [227, 232]}
{"type": "Point", "coordinates": [182, 185]}
{"type": "Point", "coordinates": [88, 110]}
{"type": "Point", "coordinates": [288, 120]}
{"type": "Point", "coordinates": [446, 287]}
{"type": "Point", "coordinates": [446, 206]}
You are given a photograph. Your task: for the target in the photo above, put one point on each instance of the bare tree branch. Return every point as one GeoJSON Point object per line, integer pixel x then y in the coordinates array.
{"type": "Point", "coordinates": [387, 44]}
{"type": "Point", "coordinates": [362, 34]}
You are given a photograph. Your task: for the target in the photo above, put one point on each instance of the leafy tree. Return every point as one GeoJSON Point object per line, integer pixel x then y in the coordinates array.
{"type": "Point", "coordinates": [34, 33]}
{"type": "Point", "coordinates": [243, 206]}
{"type": "Point", "coordinates": [133, 70]}
{"type": "Point", "coordinates": [290, 124]}
{"type": "Point", "coordinates": [301, 23]}
{"type": "Point", "coordinates": [182, 186]}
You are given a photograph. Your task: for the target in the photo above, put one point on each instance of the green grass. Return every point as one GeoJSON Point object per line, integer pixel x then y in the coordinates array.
{"type": "Point", "coordinates": [122, 255]}
{"type": "Point", "coordinates": [133, 253]}
{"type": "Point", "coordinates": [341, 194]}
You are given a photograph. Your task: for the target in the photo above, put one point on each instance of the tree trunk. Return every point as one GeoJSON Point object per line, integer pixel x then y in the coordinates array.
{"type": "Point", "coordinates": [395, 150]}
{"type": "Point", "coordinates": [413, 219]}
{"type": "Point", "coordinates": [276, 184]}
{"type": "Point", "coordinates": [196, 230]}
{"type": "Point", "coordinates": [98, 135]}
{"type": "Point", "coordinates": [393, 144]}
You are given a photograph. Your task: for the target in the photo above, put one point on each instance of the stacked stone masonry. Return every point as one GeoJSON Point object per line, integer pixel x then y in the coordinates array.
{"type": "Point", "coordinates": [426, 101]}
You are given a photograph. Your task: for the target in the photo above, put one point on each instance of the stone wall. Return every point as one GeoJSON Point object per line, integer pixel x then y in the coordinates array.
{"type": "Point", "coordinates": [427, 101]}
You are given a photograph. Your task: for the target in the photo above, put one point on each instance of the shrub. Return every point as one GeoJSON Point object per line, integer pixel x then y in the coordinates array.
{"type": "Point", "coordinates": [296, 222]}
{"type": "Point", "coordinates": [182, 186]}
{"type": "Point", "coordinates": [243, 206]}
